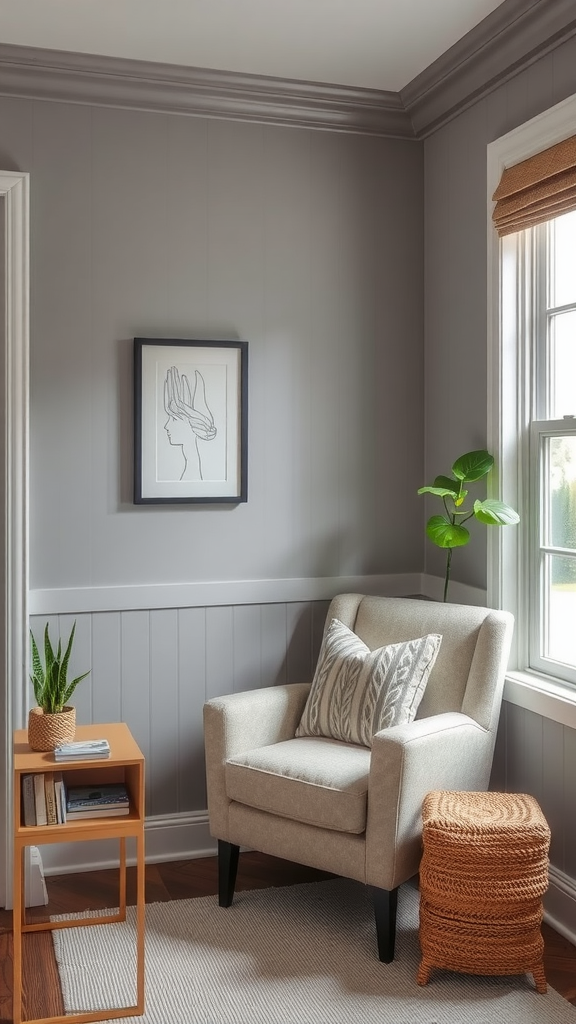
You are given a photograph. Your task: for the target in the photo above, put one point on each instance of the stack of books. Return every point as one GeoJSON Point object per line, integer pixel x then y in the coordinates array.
{"type": "Point", "coordinates": [82, 750]}
{"type": "Point", "coordinates": [43, 799]}
{"type": "Point", "coordinates": [47, 801]}
{"type": "Point", "coordinates": [110, 799]}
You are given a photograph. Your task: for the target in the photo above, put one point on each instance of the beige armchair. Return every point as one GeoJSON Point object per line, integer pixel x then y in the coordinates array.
{"type": "Point", "coordinates": [346, 808]}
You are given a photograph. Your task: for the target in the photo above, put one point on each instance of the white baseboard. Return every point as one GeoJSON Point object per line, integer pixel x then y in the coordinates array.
{"type": "Point", "coordinates": [560, 904]}
{"type": "Point", "coordinates": [166, 838]}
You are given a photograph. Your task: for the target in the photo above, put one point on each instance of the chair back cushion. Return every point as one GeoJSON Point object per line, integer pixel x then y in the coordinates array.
{"type": "Point", "coordinates": [357, 692]}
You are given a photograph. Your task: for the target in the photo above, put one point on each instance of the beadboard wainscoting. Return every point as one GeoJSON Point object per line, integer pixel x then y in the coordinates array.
{"type": "Point", "coordinates": [154, 663]}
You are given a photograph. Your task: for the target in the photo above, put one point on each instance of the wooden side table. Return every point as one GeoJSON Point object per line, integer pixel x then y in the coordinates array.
{"type": "Point", "coordinates": [125, 764]}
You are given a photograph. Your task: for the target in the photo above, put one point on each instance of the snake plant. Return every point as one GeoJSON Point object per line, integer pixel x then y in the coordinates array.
{"type": "Point", "coordinates": [51, 687]}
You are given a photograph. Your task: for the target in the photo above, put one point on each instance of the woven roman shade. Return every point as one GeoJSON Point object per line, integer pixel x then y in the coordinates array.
{"type": "Point", "coordinates": [536, 189]}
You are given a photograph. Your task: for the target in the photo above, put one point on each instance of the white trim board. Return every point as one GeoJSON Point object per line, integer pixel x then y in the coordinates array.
{"type": "Point", "coordinates": [548, 698]}
{"type": "Point", "coordinates": [78, 600]}
{"type": "Point", "coordinates": [14, 196]}
{"type": "Point", "coordinates": [213, 593]}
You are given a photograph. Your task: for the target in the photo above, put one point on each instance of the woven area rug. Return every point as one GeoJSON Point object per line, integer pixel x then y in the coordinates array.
{"type": "Point", "coordinates": [304, 954]}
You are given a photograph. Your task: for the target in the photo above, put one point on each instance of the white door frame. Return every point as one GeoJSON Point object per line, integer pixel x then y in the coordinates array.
{"type": "Point", "coordinates": [14, 362]}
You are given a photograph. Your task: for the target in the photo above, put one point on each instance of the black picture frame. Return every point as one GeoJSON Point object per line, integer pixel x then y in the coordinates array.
{"type": "Point", "coordinates": [190, 421]}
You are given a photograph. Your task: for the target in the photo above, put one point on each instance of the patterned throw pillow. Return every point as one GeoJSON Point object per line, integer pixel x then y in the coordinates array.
{"type": "Point", "coordinates": [356, 692]}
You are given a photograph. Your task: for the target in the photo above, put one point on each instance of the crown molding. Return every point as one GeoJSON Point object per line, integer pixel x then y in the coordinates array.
{"type": "Point", "coordinates": [512, 37]}
{"type": "Point", "coordinates": [34, 73]}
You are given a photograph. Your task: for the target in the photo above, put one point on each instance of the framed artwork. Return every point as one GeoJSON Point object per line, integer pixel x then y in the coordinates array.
{"type": "Point", "coordinates": [190, 421]}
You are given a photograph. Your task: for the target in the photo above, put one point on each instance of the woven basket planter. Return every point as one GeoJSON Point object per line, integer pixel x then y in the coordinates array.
{"type": "Point", "coordinates": [46, 732]}
{"type": "Point", "coordinates": [484, 871]}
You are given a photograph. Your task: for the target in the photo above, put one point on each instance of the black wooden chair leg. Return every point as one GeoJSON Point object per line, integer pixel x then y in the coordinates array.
{"type": "Point", "coordinates": [385, 905]}
{"type": "Point", "coordinates": [227, 869]}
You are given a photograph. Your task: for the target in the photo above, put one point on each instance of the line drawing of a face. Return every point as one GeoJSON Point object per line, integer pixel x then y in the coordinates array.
{"type": "Point", "coordinates": [189, 419]}
{"type": "Point", "coordinates": [178, 431]}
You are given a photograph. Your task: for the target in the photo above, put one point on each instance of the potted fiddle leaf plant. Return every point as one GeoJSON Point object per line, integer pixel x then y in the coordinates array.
{"type": "Point", "coordinates": [448, 531]}
{"type": "Point", "coordinates": [53, 721]}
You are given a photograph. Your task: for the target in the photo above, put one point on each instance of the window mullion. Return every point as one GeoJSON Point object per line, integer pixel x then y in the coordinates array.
{"type": "Point", "coordinates": [538, 287]}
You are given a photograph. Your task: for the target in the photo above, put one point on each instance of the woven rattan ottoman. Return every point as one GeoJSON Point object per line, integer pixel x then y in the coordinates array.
{"type": "Point", "coordinates": [483, 873]}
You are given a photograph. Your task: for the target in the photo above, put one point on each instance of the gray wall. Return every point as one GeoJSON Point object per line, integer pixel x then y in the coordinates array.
{"type": "Point", "coordinates": [306, 244]}
{"type": "Point", "coordinates": [455, 253]}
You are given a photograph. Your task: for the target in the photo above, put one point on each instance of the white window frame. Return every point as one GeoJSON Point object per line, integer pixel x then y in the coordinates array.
{"type": "Point", "coordinates": [508, 556]}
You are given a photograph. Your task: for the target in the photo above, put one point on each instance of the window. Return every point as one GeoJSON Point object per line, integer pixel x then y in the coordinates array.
{"type": "Point", "coordinates": [532, 426]}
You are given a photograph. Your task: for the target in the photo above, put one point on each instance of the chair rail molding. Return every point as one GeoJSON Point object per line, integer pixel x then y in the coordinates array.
{"type": "Point", "coordinates": [78, 600]}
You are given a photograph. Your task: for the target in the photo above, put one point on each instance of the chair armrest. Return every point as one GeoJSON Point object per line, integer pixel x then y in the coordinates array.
{"type": "Point", "coordinates": [244, 721]}
{"type": "Point", "coordinates": [255, 718]}
{"type": "Point", "coordinates": [449, 751]}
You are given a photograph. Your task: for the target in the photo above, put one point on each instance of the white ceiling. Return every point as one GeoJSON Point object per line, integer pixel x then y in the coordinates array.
{"type": "Point", "coordinates": [378, 44]}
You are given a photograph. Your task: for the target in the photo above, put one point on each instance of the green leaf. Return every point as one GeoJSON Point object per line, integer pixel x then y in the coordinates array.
{"type": "Point", "coordinates": [38, 686]}
{"type": "Point", "coordinates": [473, 465]}
{"type": "Point", "coordinates": [442, 492]}
{"type": "Point", "coordinates": [36, 663]}
{"type": "Point", "coordinates": [48, 652]}
{"type": "Point", "coordinates": [51, 701]}
{"type": "Point", "coordinates": [495, 513]}
{"type": "Point", "coordinates": [446, 481]}
{"type": "Point", "coordinates": [37, 677]}
{"type": "Point", "coordinates": [71, 687]}
{"type": "Point", "coordinates": [64, 669]}
{"type": "Point", "coordinates": [445, 534]}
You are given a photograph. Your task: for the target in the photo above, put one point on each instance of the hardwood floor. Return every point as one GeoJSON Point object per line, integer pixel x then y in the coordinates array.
{"type": "Point", "coordinates": [178, 880]}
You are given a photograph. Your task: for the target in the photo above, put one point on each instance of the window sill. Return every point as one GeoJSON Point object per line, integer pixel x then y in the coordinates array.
{"type": "Point", "coordinates": [543, 695]}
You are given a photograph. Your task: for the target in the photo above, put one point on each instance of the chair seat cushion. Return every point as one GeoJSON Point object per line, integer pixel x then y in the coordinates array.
{"type": "Point", "coordinates": [310, 779]}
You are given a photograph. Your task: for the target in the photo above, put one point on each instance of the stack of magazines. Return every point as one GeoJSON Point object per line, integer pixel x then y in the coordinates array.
{"type": "Point", "coordinates": [97, 801]}
{"type": "Point", "coordinates": [82, 750]}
